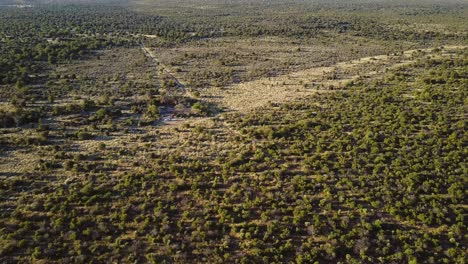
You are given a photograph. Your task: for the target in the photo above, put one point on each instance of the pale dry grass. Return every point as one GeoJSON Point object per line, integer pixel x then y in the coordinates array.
{"type": "Point", "coordinates": [248, 96]}
{"type": "Point", "coordinates": [217, 62]}
{"type": "Point", "coordinates": [177, 136]}
{"type": "Point", "coordinates": [19, 160]}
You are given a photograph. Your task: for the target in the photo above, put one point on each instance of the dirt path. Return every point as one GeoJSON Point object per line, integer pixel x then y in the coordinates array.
{"type": "Point", "coordinates": [156, 61]}
{"type": "Point", "coordinates": [251, 95]}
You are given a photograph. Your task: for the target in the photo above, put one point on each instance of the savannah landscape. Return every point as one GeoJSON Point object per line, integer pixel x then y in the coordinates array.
{"type": "Point", "coordinates": [244, 131]}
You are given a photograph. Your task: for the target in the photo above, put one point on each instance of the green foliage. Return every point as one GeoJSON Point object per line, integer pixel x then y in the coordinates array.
{"type": "Point", "coordinates": [152, 111]}
{"type": "Point", "coordinates": [371, 173]}
{"type": "Point", "coordinates": [83, 135]}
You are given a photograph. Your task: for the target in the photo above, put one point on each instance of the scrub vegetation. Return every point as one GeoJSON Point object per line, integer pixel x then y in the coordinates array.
{"type": "Point", "coordinates": [233, 131]}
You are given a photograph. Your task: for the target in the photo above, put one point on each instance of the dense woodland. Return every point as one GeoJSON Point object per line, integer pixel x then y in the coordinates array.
{"type": "Point", "coordinates": [114, 149]}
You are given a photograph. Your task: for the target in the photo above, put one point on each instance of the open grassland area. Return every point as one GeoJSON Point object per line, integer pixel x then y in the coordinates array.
{"type": "Point", "coordinates": [218, 62]}
{"type": "Point", "coordinates": [233, 132]}
{"type": "Point", "coordinates": [332, 175]}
